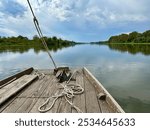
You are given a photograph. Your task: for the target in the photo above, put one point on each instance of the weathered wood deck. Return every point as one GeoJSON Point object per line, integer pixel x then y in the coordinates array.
{"type": "Point", "coordinates": [28, 98]}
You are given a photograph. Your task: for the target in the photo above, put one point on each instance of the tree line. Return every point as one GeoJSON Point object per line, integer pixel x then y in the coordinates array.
{"type": "Point", "coordinates": [20, 40]}
{"type": "Point", "coordinates": [133, 37]}
{"type": "Point", "coordinates": [23, 44]}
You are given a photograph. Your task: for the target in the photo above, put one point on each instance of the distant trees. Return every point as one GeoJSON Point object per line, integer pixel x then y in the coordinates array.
{"type": "Point", "coordinates": [12, 39]}
{"type": "Point", "coordinates": [52, 42]}
{"type": "Point", "coordinates": [22, 38]}
{"type": "Point", "coordinates": [35, 37]}
{"type": "Point", "coordinates": [133, 37]}
{"type": "Point", "coordinates": [22, 44]}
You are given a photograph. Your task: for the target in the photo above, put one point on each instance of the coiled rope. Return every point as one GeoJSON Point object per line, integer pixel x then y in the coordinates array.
{"type": "Point", "coordinates": [69, 92]}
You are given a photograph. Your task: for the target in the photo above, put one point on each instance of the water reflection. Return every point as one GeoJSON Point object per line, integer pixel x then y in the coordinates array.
{"type": "Point", "coordinates": [134, 105]}
{"type": "Point", "coordinates": [131, 48]}
{"type": "Point", "coordinates": [36, 48]}
{"type": "Point", "coordinates": [124, 75]}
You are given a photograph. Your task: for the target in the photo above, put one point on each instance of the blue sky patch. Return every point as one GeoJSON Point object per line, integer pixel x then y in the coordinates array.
{"type": "Point", "coordinates": [77, 20]}
{"type": "Point", "coordinates": [10, 7]}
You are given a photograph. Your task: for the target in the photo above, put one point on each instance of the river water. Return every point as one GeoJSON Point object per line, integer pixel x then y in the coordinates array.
{"type": "Point", "coordinates": [126, 76]}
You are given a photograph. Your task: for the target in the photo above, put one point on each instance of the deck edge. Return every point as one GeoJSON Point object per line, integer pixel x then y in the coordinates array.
{"type": "Point", "coordinates": [17, 75]}
{"type": "Point", "coordinates": [99, 86]}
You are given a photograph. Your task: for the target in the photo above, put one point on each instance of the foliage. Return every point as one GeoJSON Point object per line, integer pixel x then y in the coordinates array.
{"type": "Point", "coordinates": [24, 44]}
{"type": "Point", "coordinates": [133, 37]}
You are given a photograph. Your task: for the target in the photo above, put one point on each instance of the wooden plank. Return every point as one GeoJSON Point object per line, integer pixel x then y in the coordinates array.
{"type": "Point", "coordinates": [42, 87]}
{"type": "Point", "coordinates": [14, 106]}
{"type": "Point", "coordinates": [92, 105]}
{"type": "Point", "coordinates": [16, 86]}
{"type": "Point", "coordinates": [9, 86]}
{"type": "Point", "coordinates": [6, 104]}
{"type": "Point", "coordinates": [57, 103]}
{"type": "Point", "coordinates": [10, 81]}
{"type": "Point", "coordinates": [54, 90]}
{"type": "Point", "coordinates": [105, 108]}
{"type": "Point", "coordinates": [64, 106]}
{"type": "Point", "coordinates": [2, 90]}
{"type": "Point", "coordinates": [37, 104]}
{"type": "Point", "coordinates": [18, 75]}
{"type": "Point", "coordinates": [37, 88]}
{"type": "Point", "coordinates": [46, 71]}
{"type": "Point", "coordinates": [33, 96]}
{"type": "Point", "coordinates": [100, 88]}
{"type": "Point", "coordinates": [27, 105]}
{"type": "Point", "coordinates": [79, 100]}
{"type": "Point", "coordinates": [39, 91]}
{"type": "Point", "coordinates": [41, 100]}
{"type": "Point", "coordinates": [27, 93]}
{"type": "Point", "coordinates": [50, 90]}
{"type": "Point", "coordinates": [113, 106]}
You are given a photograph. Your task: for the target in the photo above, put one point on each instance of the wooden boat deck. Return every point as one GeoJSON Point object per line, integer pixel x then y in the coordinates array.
{"type": "Point", "coordinates": [37, 91]}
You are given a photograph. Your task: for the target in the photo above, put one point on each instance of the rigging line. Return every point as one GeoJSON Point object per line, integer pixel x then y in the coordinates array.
{"type": "Point", "coordinates": [37, 26]}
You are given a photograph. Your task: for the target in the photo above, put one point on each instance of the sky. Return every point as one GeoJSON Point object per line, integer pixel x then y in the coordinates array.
{"type": "Point", "coordinates": [76, 20]}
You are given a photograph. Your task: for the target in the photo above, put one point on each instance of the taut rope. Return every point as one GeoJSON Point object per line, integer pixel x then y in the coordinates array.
{"type": "Point", "coordinates": [37, 26]}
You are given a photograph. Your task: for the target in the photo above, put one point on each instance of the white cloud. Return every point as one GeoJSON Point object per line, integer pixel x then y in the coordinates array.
{"type": "Point", "coordinates": [66, 17]}
{"type": "Point", "coordinates": [8, 32]}
{"type": "Point", "coordinates": [117, 11]}
{"type": "Point", "coordinates": [8, 57]}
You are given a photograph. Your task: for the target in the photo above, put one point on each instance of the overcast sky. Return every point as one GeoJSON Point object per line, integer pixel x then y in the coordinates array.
{"type": "Point", "coordinates": [77, 20]}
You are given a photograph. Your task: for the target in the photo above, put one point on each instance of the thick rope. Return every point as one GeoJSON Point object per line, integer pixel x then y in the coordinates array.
{"type": "Point", "coordinates": [37, 26]}
{"type": "Point", "coordinates": [69, 92]}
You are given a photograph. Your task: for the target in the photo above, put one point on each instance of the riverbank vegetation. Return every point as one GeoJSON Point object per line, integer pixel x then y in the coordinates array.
{"type": "Point", "coordinates": [23, 44]}
{"type": "Point", "coordinates": [133, 37]}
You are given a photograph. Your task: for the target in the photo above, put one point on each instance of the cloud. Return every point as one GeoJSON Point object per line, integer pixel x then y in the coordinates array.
{"type": "Point", "coordinates": [14, 9]}
{"type": "Point", "coordinates": [79, 20]}
{"type": "Point", "coordinates": [8, 57]}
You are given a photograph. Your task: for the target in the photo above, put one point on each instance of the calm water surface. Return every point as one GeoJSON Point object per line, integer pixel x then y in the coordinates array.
{"type": "Point", "coordinates": [124, 75]}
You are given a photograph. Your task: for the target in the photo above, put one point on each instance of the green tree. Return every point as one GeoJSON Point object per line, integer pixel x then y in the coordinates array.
{"type": "Point", "coordinates": [35, 38]}
{"type": "Point", "coordinates": [132, 36]}
{"type": "Point", "coordinates": [123, 38]}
